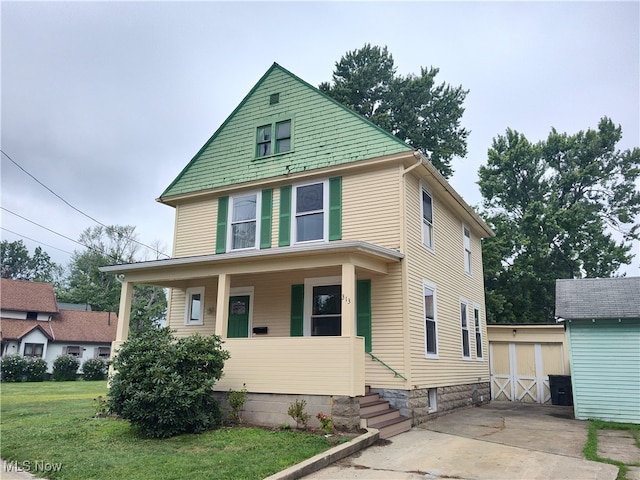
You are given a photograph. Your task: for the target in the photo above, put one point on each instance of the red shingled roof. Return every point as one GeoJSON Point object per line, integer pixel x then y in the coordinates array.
{"type": "Point", "coordinates": [67, 326]}
{"type": "Point", "coordinates": [27, 296]}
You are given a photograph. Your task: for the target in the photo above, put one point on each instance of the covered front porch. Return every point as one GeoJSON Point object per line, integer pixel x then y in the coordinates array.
{"type": "Point", "coordinates": [296, 320]}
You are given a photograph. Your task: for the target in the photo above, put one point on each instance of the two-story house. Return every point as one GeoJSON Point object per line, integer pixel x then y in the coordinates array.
{"type": "Point", "coordinates": [33, 324]}
{"type": "Point", "coordinates": [333, 259]}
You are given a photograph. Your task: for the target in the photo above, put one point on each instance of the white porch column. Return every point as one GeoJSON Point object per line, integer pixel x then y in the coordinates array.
{"type": "Point", "coordinates": [222, 305]}
{"type": "Point", "coordinates": [124, 313]}
{"type": "Point", "coordinates": [348, 300]}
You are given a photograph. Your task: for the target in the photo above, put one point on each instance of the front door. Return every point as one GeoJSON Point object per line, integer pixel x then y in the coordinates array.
{"type": "Point", "coordinates": [238, 317]}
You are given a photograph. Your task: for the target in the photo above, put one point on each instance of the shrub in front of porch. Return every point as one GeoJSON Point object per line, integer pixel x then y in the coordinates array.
{"type": "Point", "coordinates": [163, 385]}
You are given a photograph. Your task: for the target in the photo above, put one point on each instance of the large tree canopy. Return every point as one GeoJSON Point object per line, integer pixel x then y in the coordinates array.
{"type": "Point", "coordinates": [18, 264]}
{"type": "Point", "coordinates": [87, 284]}
{"type": "Point", "coordinates": [413, 108]}
{"type": "Point", "coordinates": [566, 207]}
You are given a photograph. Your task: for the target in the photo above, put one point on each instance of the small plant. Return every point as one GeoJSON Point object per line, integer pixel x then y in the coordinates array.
{"type": "Point", "coordinates": [65, 368]}
{"type": "Point", "coordinates": [94, 369]}
{"type": "Point", "coordinates": [101, 405]}
{"type": "Point", "coordinates": [326, 422]}
{"type": "Point", "coordinates": [236, 399]}
{"type": "Point", "coordinates": [296, 411]}
{"type": "Point", "coordinates": [13, 368]}
{"type": "Point", "coordinates": [285, 426]}
{"type": "Point", "coordinates": [35, 370]}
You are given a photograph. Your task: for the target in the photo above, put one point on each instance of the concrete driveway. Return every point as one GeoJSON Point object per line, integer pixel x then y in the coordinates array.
{"type": "Point", "coordinates": [502, 440]}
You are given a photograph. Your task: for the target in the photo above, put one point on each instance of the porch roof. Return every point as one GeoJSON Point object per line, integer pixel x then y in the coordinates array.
{"type": "Point", "coordinates": [364, 255]}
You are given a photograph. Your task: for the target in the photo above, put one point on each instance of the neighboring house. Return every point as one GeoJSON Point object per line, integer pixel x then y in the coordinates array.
{"type": "Point", "coordinates": [330, 257]}
{"type": "Point", "coordinates": [602, 318]}
{"type": "Point", "coordinates": [522, 356]}
{"type": "Point", "coordinates": [32, 325]}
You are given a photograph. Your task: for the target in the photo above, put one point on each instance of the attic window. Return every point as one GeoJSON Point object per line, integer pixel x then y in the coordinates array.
{"type": "Point", "coordinates": [274, 98]}
{"type": "Point", "coordinates": [273, 138]}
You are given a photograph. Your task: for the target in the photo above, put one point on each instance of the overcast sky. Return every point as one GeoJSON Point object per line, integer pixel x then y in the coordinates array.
{"type": "Point", "coordinates": [105, 103]}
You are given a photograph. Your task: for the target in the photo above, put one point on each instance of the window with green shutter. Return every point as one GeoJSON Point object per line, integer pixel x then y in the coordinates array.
{"type": "Point", "coordinates": [221, 229]}
{"type": "Point", "coordinates": [297, 311]}
{"type": "Point", "coordinates": [316, 211]}
{"type": "Point", "coordinates": [265, 218]}
{"type": "Point", "coordinates": [284, 228]}
{"type": "Point", "coordinates": [363, 312]}
{"type": "Point", "coordinates": [335, 208]}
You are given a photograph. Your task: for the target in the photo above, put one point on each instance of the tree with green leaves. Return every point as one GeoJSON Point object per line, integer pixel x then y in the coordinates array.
{"type": "Point", "coordinates": [421, 113]}
{"type": "Point", "coordinates": [18, 264]}
{"type": "Point", "coordinates": [565, 207]}
{"type": "Point", "coordinates": [87, 284]}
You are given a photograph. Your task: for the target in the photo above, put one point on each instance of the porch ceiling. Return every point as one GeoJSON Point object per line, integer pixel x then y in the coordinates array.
{"type": "Point", "coordinates": [166, 272]}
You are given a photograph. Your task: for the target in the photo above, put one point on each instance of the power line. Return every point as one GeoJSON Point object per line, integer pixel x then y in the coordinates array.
{"type": "Point", "coordinates": [34, 240]}
{"type": "Point", "coordinates": [77, 209]}
{"type": "Point", "coordinates": [114, 258]}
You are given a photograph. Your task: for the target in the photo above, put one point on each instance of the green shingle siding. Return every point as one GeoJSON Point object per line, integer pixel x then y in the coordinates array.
{"type": "Point", "coordinates": [605, 369]}
{"type": "Point", "coordinates": [325, 133]}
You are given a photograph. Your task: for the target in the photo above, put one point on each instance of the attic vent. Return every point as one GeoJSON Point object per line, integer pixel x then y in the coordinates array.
{"type": "Point", "coordinates": [274, 98]}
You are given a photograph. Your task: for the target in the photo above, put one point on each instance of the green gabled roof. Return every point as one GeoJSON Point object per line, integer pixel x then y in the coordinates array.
{"type": "Point", "coordinates": [324, 133]}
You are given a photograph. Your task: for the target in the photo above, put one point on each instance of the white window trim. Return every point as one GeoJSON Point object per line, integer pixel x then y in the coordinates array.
{"type": "Point", "coordinates": [462, 329]}
{"type": "Point", "coordinates": [477, 307]}
{"type": "Point", "coordinates": [431, 247]}
{"type": "Point", "coordinates": [309, 283]}
{"type": "Point", "coordinates": [325, 211]}
{"type": "Point", "coordinates": [241, 291]}
{"type": "Point", "coordinates": [230, 224]}
{"type": "Point", "coordinates": [467, 268]}
{"type": "Point", "coordinates": [187, 306]}
{"type": "Point", "coordinates": [431, 287]}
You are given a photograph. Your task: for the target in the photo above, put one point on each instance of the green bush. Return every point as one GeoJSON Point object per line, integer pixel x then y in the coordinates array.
{"type": "Point", "coordinates": [35, 370]}
{"type": "Point", "coordinates": [65, 368]}
{"type": "Point", "coordinates": [163, 385]}
{"type": "Point", "coordinates": [236, 399]}
{"type": "Point", "coordinates": [94, 369]}
{"type": "Point", "coordinates": [13, 368]}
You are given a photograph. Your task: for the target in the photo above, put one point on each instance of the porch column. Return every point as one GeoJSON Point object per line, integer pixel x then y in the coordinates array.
{"type": "Point", "coordinates": [348, 300]}
{"type": "Point", "coordinates": [124, 313]}
{"type": "Point", "coordinates": [222, 305]}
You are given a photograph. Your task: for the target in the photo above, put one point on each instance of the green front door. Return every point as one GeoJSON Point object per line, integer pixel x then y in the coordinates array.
{"type": "Point", "coordinates": [238, 317]}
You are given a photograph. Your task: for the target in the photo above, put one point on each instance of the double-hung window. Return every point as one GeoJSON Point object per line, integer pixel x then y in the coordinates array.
{"type": "Point", "coordinates": [464, 325]}
{"type": "Point", "coordinates": [273, 138]}
{"type": "Point", "coordinates": [310, 205]}
{"type": "Point", "coordinates": [427, 218]}
{"type": "Point", "coordinates": [243, 221]}
{"type": "Point", "coordinates": [430, 324]}
{"type": "Point", "coordinates": [478, 327]}
{"type": "Point", "coordinates": [194, 306]}
{"type": "Point", "coordinates": [466, 235]}
{"type": "Point", "coordinates": [74, 350]}
{"type": "Point", "coordinates": [323, 306]}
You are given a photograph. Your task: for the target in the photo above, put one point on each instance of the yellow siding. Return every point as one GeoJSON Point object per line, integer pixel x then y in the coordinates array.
{"type": "Point", "coordinates": [195, 228]}
{"type": "Point", "coordinates": [370, 209]}
{"type": "Point", "coordinates": [176, 313]}
{"type": "Point", "coordinates": [442, 267]}
{"type": "Point", "coordinates": [295, 365]}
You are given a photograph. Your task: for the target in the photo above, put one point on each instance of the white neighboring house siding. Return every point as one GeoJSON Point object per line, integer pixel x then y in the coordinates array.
{"type": "Point", "coordinates": [43, 317]}
{"type": "Point", "coordinates": [55, 349]}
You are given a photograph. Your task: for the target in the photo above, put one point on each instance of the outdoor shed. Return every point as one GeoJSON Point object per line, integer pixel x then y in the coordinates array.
{"type": "Point", "coordinates": [602, 317]}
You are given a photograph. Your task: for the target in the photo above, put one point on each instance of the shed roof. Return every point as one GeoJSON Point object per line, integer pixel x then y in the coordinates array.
{"type": "Point", "coordinates": [589, 298]}
{"type": "Point", "coordinates": [25, 296]}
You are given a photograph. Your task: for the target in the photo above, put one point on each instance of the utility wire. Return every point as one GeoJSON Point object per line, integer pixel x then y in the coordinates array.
{"type": "Point", "coordinates": [34, 240]}
{"type": "Point", "coordinates": [114, 258]}
{"type": "Point", "coordinates": [77, 209]}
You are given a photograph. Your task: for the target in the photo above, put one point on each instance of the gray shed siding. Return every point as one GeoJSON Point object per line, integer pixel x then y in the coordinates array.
{"type": "Point", "coordinates": [605, 366]}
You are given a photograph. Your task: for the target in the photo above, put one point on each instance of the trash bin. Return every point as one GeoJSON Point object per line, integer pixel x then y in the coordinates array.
{"type": "Point", "coordinates": [561, 392]}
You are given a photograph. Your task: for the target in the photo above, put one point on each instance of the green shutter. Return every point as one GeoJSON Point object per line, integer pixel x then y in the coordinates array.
{"type": "Point", "coordinates": [335, 208]}
{"type": "Point", "coordinates": [265, 218]}
{"type": "Point", "coordinates": [284, 229]}
{"type": "Point", "coordinates": [363, 312]}
{"type": "Point", "coordinates": [297, 310]}
{"type": "Point", "coordinates": [221, 230]}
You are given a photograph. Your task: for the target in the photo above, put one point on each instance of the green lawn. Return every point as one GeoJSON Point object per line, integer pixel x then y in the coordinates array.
{"type": "Point", "coordinates": [52, 423]}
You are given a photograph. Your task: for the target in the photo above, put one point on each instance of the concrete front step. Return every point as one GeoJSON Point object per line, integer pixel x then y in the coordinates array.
{"type": "Point", "coordinates": [392, 427]}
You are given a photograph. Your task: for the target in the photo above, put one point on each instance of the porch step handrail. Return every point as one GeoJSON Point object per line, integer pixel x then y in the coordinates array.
{"type": "Point", "coordinates": [395, 373]}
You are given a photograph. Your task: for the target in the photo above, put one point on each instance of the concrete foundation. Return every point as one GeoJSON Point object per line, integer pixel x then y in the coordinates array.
{"type": "Point", "coordinates": [270, 409]}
